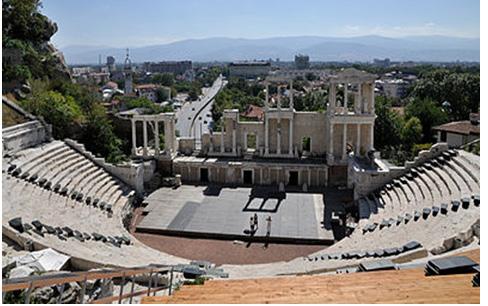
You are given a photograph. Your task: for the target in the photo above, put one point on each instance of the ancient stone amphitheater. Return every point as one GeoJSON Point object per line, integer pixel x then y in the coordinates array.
{"type": "Point", "coordinates": [67, 200]}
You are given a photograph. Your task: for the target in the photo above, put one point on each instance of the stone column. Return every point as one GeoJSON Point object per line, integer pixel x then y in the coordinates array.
{"type": "Point", "coordinates": [134, 138]}
{"type": "Point", "coordinates": [222, 139]}
{"type": "Point", "coordinates": [371, 102]}
{"type": "Point", "coordinates": [172, 135]}
{"type": "Point", "coordinates": [290, 132]}
{"type": "Point", "coordinates": [266, 135]}
{"type": "Point", "coordinates": [344, 141]}
{"type": "Point", "coordinates": [278, 98]}
{"type": "Point", "coordinates": [234, 139]}
{"type": "Point", "coordinates": [358, 102]}
{"type": "Point", "coordinates": [371, 137]}
{"type": "Point", "coordinates": [332, 97]}
{"type": "Point", "coordinates": [257, 142]}
{"type": "Point", "coordinates": [331, 140]}
{"type": "Point", "coordinates": [245, 142]}
{"type": "Point", "coordinates": [144, 136]}
{"type": "Point", "coordinates": [167, 137]}
{"type": "Point", "coordinates": [358, 140]}
{"type": "Point", "coordinates": [345, 99]}
{"type": "Point", "coordinates": [278, 142]}
{"type": "Point", "coordinates": [291, 94]}
{"type": "Point", "coordinates": [156, 138]}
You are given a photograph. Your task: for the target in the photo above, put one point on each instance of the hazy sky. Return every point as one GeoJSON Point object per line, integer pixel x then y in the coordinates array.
{"type": "Point", "coordinates": [121, 23]}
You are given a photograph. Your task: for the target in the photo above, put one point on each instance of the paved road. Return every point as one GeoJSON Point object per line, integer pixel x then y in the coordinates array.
{"type": "Point", "coordinates": [195, 117]}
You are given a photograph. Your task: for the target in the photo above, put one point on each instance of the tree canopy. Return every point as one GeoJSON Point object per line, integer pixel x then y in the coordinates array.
{"type": "Point", "coordinates": [25, 36]}
{"type": "Point", "coordinates": [461, 90]}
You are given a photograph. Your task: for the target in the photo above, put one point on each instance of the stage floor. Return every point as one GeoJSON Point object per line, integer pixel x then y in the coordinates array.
{"type": "Point", "coordinates": [214, 212]}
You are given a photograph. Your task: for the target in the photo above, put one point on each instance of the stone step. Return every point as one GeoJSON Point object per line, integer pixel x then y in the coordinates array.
{"type": "Point", "coordinates": [41, 153]}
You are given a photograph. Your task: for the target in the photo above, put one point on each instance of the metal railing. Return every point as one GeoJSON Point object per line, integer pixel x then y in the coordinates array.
{"type": "Point", "coordinates": [39, 281]}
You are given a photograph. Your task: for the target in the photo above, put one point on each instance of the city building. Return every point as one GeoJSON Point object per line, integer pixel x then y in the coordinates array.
{"type": "Point", "coordinates": [382, 62]}
{"type": "Point", "coordinates": [458, 133]}
{"type": "Point", "coordinates": [148, 91]}
{"type": "Point", "coordinates": [111, 63]}
{"type": "Point", "coordinates": [393, 88]}
{"type": "Point", "coordinates": [174, 67]}
{"type": "Point", "coordinates": [249, 70]}
{"type": "Point", "coordinates": [253, 112]}
{"type": "Point", "coordinates": [302, 61]}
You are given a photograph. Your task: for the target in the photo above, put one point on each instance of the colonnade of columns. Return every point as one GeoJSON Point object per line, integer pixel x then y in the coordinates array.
{"type": "Point", "coordinates": [363, 100]}
{"type": "Point", "coordinates": [278, 136]}
{"type": "Point", "coordinates": [153, 121]}
{"type": "Point", "coordinates": [278, 104]}
{"type": "Point", "coordinates": [357, 146]}
{"type": "Point", "coordinates": [266, 122]}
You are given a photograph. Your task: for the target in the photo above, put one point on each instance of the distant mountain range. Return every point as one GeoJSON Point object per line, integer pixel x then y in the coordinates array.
{"type": "Point", "coordinates": [361, 48]}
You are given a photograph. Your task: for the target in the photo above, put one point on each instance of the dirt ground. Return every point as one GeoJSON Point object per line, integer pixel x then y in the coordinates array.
{"type": "Point", "coordinates": [225, 252]}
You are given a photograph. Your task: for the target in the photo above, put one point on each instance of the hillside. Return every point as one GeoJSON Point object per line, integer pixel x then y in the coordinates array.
{"type": "Point", "coordinates": [361, 48]}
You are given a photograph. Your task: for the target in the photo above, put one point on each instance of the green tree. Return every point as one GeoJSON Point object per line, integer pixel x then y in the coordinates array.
{"type": "Point", "coordinates": [388, 125]}
{"type": "Point", "coordinates": [25, 34]}
{"type": "Point", "coordinates": [99, 136]}
{"type": "Point", "coordinates": [411, 132]}
{"type": "Point", "coordinates": [22, 20]}
{"type": "Point", "coordinates": [193, 93]}
{"type": "Point", "coordinates": [63, 113]}
{"type": "Point", "coordinates": [461, 90]}
{"type": "Point", "coordinates": [165, 79]}
{"type": "Point", "coordinates": [430, 115]}
{"type": "Point", "coordinates": [162, 94]}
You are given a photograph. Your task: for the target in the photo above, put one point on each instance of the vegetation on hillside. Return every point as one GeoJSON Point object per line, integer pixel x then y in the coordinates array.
{"type": "Point", "coordinates": [25, 43]}
{"type": "Point", "coordinates": [73, 110]}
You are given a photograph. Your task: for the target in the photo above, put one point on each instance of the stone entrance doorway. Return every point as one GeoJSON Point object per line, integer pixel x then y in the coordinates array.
{"type": "Point", "coordinates": [293, 179]}
{"type": "Point", "coordinates": [204, 175]}
{"type": "Point", "coordinates": [247, 177]}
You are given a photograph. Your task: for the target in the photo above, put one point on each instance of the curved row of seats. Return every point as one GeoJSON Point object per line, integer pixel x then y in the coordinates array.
{"type": "Point", "coordinates": [359, 254]}
{"type": "Point", "coordinates": [87, 233]}
{"type": "Point", "coordinates": [430, 203]}
{"type": "Point", "coordinates": [64, 233]}
{"type": "Point", "coordinates": [59, 168]}
{"type": "Point", "coordinates": [452, 175]}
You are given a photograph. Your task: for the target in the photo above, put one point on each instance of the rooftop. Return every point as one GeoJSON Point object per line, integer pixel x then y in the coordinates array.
{"type": "Point", "coordinates": [465, 127]}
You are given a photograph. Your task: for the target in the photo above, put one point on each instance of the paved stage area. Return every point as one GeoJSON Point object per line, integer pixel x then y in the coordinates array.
{"type": "Point", "coordinates": [214, 212]}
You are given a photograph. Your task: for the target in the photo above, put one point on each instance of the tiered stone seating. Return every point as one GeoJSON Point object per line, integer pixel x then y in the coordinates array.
{"type": "Point", "coordinates": [28, 198]}
{"type": "Point", "coordinates": [73, 173]}
{"type": "Point", "coordinates": [23, 135]}
{"type": "Point", "coordinates": [414, 207]}
{"type": "Point", "coordinates": [435, 182]}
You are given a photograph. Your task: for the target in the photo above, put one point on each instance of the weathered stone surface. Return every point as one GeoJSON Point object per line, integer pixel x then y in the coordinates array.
{"type": "Point", "coordinates": [50, 229]}
{"type": "Point", "coordinates": [68, 231]}
{"type": "Point", "coordinates": [16, 223]}
{"type": "Point", "coordinates": [11, 168]}
{"type": "Point", "coordinates": [37, 224]}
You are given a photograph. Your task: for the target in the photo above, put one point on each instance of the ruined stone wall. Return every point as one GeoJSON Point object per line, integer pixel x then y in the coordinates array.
{"type": "Point", "coordinates": [313, 125]}
{"type": "Point", "coordinates": [132, 174]}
